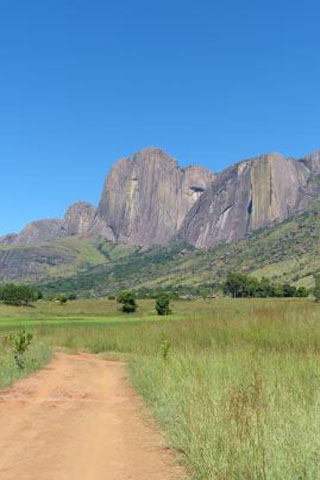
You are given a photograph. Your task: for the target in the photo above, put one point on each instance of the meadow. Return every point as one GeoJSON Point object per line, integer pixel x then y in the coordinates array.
{"type": "Point", "coordinates": [235, 384]}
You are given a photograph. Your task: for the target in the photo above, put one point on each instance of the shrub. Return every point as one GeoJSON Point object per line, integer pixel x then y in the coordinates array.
{"type": "Point", "coordinates": [163, 305]}
{"type": "Point", "coordinates": [128, 302]}
{"type": "Point", "coordinates": [62, 299]}
{"type": "Point", "coordinates": [21, 342]}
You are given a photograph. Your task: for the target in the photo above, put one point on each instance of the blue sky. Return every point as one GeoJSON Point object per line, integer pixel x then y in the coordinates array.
{"type": "Point", "coordinates": [85, 82]}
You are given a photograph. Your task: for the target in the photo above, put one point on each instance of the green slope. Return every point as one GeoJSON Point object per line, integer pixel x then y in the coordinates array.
{"type": "Point", "coordinates": [288, 251]}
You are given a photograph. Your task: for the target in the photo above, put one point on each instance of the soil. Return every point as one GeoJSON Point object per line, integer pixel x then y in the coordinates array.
{"type": "Point", "coordinates": [79, 419]}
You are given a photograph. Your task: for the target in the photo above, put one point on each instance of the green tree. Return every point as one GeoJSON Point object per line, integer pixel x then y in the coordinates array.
{"type": "Point", "coordinates": [62, 299]}
{"type": "Point", "coordinates": [128, 301]}
{"type": "Point", "coordinates": [163, 305]}
{"type": "Point", "coordinates": [302, 292]}
{"type": "Point", "coordinates": [18, 295]}
{"type": "Point", "coordinates": [236, 285]}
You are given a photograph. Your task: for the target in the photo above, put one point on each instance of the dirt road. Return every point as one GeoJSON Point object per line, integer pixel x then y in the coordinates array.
{"type": "Point", "coordinates": [78, 419]}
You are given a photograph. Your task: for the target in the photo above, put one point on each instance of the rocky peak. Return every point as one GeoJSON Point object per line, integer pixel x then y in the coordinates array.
{"type": "Point", "coordinates": [78, 218]}
{"type": "Point", "coordinates": [8, 239]}
{"type": "Point", "coordinates": [146, 197]}
{"type": "Point", "coordinates": [312, 161]}
{"type": "Point", "coordinates": [247, 196]}
{"type": "Point", "coordinates": [40, 231]}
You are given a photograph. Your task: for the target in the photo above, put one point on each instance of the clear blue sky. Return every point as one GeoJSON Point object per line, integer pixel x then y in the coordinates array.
{"type": "Point", "coordinates": [84, 82]}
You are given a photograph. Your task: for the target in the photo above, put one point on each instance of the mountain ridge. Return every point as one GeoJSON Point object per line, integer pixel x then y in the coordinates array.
{"type": "Point", "coordinates": [148, 199]}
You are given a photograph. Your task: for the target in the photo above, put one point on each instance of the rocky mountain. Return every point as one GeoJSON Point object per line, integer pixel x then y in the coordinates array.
{"type": "Point", "coordinates": [146, 198]}
{"type": "Point", "coordinates": [77, 220]}
{"type": "Point", "coordinates": [149, 200]}
{"type": "Point", "coordinates": [248, 196]}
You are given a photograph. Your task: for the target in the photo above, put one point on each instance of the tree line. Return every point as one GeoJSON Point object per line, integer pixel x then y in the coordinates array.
{"type": "Point", "coordinates": [18, 295]}
{"type": "Point", "coordinates": [238, 285]}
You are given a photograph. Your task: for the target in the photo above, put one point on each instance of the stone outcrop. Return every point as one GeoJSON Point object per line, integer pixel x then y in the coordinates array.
{"type": "Point", "coordinates": [248, 196]}
{"type": "Point", "coordinates": [77, 220]}
{"type": "Point", "coordinates": [146, 198]}
{"type": "Point", "coordinates": [8, 239]}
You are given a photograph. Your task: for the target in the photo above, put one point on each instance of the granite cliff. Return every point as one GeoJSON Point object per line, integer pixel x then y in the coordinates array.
{"type": "Point", "coordinates": [77, 220]}
{"type": "Point", "coordinates": [249, 196]}
{"type": "Point", "coordinates": [148, 199]}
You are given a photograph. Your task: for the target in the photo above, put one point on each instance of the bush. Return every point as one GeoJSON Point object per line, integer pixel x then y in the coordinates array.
{"type": "Point", "coordinates": [18, 295]}
{"type": "Point", "coordinates": [21, 342]}
{"type": "Point", "coordinates": [127, 299]}
{"type": "Point", "coordinates": [163, 305]}
{"type": "Point", "coordinates": [62, 299]}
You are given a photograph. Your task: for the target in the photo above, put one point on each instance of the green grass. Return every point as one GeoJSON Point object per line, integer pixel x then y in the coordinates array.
{"type": "Point", "coordinates": [36, 357]}
{"type": "Point", "coordinates": [238, 394]}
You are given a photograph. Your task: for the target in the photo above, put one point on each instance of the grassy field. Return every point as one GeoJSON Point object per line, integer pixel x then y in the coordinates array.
{"type": "Point", "coordinates": [234, 383]}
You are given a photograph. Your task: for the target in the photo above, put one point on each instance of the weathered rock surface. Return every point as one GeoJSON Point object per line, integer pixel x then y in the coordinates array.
{"type": "Point", "coordinates": [40, 231]}
{"type": "Point", "coordinates": [246, 197]}
{"type": "Point", "coordinates": [77, 220]}
{"type": "Point", "coordinates": [8, 239]}
{"type": "Point", "coordinates": [31, 261]}
{"type": "Point", "coordinates": [146, 198]}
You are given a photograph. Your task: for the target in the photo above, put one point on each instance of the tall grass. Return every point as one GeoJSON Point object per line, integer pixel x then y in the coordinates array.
{"type": "Point", "coordinates": [36, 357]}
{"type": "Point", "coordinates": [238, 390]}
{"type": "Point", "coordinates": [235, 384]}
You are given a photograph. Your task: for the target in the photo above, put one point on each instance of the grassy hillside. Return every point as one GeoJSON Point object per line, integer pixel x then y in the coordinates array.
{"type": "Point", "coordinates": [63, 257]}
{"type": "Point", "coordinates": [285, 252]}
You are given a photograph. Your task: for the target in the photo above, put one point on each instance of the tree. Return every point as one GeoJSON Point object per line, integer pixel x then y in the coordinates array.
{"type": "Point", "coordinates": [62, 299]}
{"type": "Point", "coordinates": [128, 302]}
{"type": "Point", "coordinates": [302, 292]}
{"type": "Point", "coordinates": [163, 305]}
{"type": "Point", "coordinates": [236, 285]}
{"type": "Point", "coordinates": [18, 295]}
{"type": "Point", "coordinates": [317, 287]}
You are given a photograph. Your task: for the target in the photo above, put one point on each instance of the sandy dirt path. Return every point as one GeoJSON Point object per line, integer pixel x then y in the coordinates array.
{"type": "Point", "coordinates": [79, 419]}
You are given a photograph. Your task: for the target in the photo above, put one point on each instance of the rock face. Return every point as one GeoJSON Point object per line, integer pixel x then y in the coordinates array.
{"type": "Point", "coordinates": [146, 198]}
{"type": "Point", "coordinates": [246, 197]}
{"type": "Point", "coordinates": [8, 239]}
{"type": "Point", "coordinates": [77, 220]}
{"type": "Point", "coordinates": [40, 231]}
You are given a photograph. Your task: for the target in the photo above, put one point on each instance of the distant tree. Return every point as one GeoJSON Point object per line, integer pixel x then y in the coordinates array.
{"type": "Point", "coordinates": [62, 299]}
{"type": "Point", "coordinates": [302, 292]}
{"type": "Point", "coordinates": [289, 290]}
{"type": "Point", "coordinates": [236, 285]}
{"type": "Point", "coordinates": [126, 298]}
{"type": "Point", "coordinates": [163, 305]}
{"type": "Point", "coordinates": [18, 295]}
{"type": "Point", "coordinates": [317, 287]}
{"type": "Point", "coordinates": [39, 295]}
